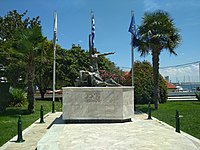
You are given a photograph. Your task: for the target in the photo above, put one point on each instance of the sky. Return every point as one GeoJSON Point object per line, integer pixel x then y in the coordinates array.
{"type": "Point", "coordinates": [112, 20]}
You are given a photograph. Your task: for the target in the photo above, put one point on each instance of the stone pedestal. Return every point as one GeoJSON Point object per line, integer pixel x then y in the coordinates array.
{"type": "Point", "coordinates": [98, 103]}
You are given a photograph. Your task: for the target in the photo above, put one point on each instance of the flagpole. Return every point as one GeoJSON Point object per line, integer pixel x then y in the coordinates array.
{"type": "Point", "coordinates": [132, 53]}
{"type": "Point", "coordinates": [54, 60]}
{"type": "Point", "coordinates": [132, 60]}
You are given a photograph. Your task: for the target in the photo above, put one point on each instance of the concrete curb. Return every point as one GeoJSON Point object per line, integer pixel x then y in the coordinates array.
{"type": "Point", "coordinates": [194, 140]}
{"type": "Point", "coordinates": [6, 145]}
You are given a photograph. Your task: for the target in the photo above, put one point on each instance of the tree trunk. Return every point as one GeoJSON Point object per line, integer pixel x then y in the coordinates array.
{"type": "Point", "coordinates": [30, 92]}
{"type": "Point", "coordinates": [41, 81]}
{"type": "Point", "coordinates": [42, 93]}
{"type": "Point", "coordinates": [156, 94]}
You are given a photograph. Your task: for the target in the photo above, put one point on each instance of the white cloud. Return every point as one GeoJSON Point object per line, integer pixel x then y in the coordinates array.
{"type": "Point", "coordinates": [185, 73]}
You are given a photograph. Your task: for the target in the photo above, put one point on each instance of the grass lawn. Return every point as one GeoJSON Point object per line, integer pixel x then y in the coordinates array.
{"type": "Point", "coordinates": [190, 110]}
{"type": "Point", "coordinates": [9, 118]}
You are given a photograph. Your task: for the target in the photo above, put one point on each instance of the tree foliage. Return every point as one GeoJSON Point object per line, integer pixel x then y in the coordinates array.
{"type": "Point", "coordinates": [43, 64]}
{"type": "Point", "coordinates": [21, 42]}
{"type": "Point", "coordinates": [11, 24]}
{"type": "Point", "coordinates": [69, 63]}
{"type": "Point", "coordinates": [143, 83]}
{"type": "Point", "coordinates": [28, 57]}
{"type": "Point", "coordinates": [27, 43]}
{"type": "Point", "coordinates": [156, 33]}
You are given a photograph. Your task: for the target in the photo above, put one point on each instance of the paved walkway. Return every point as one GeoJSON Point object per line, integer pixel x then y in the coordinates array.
{"type": "Point", "coordinates": [140, 134]}
{"type": "Point", "coordinates": [32, 134]}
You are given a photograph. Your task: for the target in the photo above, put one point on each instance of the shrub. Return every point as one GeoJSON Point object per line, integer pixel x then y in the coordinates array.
{"type": "Point", "coordinates": [18, 97]}
{"type": "Point", "coordinates": [143, 82]}
{"type": "Point", "coordinates": [163, 90]}
{"type": "Point", "coordinates": [198, 95]}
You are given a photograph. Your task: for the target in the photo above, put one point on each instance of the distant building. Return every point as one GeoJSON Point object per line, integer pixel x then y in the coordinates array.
{"type": "Point", "coordinates": [167, 78]}
{"type": "Point", "coordinates": [170, 87]}
{"type": "Point", "coordinates": [190, 86]}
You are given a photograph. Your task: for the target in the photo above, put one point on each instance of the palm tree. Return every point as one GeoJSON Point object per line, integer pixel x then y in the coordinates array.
{"type": "Point", "coordinates": [27, 45]}
{"type": "Point", "coordinates": [43, 65]}
{"type": "Point", "coordinates": [156, 33]}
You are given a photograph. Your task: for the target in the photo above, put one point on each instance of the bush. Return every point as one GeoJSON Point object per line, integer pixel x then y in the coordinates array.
{"type": "Point", "coordinates": [163, 90]}
{"type": "Point", "coordinates": [198, 95]}
{"type": "Point", "coordinates": [4, 95]}
{"type": "Point", "coordinates": [18, 97]}
{"type": "Point", "coordinates": [143, 82]}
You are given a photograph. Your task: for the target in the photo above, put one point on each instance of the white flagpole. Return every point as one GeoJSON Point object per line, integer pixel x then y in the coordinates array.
{"type": "Point", "coordinates": [132, 53]}
{"type": "Point", "coordinates": [132, 60]}
{"type": "Point", "coordinates": [54, 60]}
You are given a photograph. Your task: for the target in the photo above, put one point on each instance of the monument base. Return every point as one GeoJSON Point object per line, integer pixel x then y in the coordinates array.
{"type": "Point", "coordinates": [98, 104]}
{"type": "Point", "coordinates": [69, 121]}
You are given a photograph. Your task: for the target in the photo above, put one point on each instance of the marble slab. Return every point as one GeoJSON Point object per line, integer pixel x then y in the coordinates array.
{"type": "Point", "coordinates": [98, 103]}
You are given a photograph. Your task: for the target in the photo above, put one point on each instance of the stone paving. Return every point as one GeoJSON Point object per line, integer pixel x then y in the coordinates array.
{"type": "Point", "coordinates": [32, 134]}
{"type": "Point", "coordinates": [140, 134]}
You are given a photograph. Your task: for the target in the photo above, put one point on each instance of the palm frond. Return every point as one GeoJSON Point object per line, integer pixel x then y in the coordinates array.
{"type": "Point", "coordinates": [157, 31]}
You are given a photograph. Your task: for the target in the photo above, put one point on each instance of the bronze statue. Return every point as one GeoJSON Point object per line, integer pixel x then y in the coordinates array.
{"type": "Point", "coordinates": [92, 77]}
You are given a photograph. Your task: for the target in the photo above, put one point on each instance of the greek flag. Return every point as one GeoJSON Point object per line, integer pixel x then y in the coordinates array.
{"type": "Point", "coordinates": [93, 31]}
{"type": "Point", "coordinates": [132, 30]}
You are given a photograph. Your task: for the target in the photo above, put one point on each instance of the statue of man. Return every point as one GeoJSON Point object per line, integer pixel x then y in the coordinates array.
{"type": "Point", "coordinates": [92, 77]}
{"type": "Point", "coordinates": [94, 56]}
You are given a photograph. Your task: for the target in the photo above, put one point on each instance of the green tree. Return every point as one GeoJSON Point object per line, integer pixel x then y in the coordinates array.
{"type": "Point", "coordinates": [43, 71]}
{"type": "Point", "coordinates": [27, 43]}
{"type": "Point", "coordinates": [156, 33]}
{"type": "Point", "coordinates": [12, 21]}
{"type": "Point", "coordinates": [8, 25]}
{"type": "Point", "coordinates": [16, 74]}
{"type": "Point", "coordinates": [143, 82]}
{"type": "Point", "coordinates": [20, 41]}
{"type": "Point", "coordinates": [69, 63]}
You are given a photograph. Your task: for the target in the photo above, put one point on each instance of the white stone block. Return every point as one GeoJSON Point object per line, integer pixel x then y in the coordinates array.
{"type": "Point", "coordinates": [98, 103]}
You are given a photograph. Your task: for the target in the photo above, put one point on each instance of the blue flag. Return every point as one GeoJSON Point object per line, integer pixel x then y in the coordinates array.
{"type": "Point", "coordinates": [93, 31]}
{"type": "Point", "coordinates": [132, 30]}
